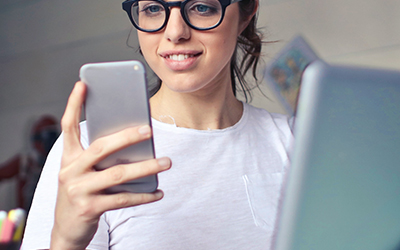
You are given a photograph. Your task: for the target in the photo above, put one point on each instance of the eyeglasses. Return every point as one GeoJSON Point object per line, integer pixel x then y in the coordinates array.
{"type": "Point", "coordinates": [152, 15]}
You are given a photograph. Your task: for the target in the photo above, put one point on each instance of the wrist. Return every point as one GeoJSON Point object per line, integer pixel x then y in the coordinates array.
{"type": "Point", "coordinates": [59, 242]}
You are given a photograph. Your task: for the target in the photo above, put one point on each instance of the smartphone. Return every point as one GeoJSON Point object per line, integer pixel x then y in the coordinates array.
{"type": "Point", "coordinates": [117, 98]}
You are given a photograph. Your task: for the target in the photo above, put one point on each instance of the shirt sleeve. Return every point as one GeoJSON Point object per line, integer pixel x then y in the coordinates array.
{"type": "Point", "coordinates": [101, 239]}
{"type": "Point", "coordinates": [41, 214]}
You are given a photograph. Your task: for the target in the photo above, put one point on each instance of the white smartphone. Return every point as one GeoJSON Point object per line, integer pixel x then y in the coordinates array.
{"type": "Point", "coordinates": [117, 98]}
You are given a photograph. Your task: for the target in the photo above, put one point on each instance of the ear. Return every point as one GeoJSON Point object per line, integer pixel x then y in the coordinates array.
{"type": "Point", "coordinates": [245, 23]}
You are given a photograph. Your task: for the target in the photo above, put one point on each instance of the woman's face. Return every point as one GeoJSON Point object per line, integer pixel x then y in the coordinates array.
{"type": "Point", "coordinates": [189, 60]}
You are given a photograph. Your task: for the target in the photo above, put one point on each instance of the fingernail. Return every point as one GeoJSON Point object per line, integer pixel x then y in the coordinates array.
{"type": "Point", "coordinates": [159, 194]}
{"type": "Point", "coordinates": [164, 162]}
{"type": "Point", "coordinates": [145, 130]}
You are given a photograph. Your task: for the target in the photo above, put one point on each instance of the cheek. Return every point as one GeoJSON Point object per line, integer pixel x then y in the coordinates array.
{"type": "Point", "coordinates": [148, 46]}
{"type": "Point", "coordinates": [224, 45]}
{"type": "Point", "coordinates": [223, 50]}
{"type": "Point", "coordinates": [227, 34]}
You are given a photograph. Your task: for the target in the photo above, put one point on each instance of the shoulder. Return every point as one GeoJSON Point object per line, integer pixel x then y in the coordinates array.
{"type": "Point", "coordinates": [270, 126]}
{"type": "Point", "coordinates": [269, 120]}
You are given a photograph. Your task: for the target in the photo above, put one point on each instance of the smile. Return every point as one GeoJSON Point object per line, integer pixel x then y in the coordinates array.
{"type": "Point", "coordinates": [180, 60]}
{"type": "Point", "coordinates": [179, 57]}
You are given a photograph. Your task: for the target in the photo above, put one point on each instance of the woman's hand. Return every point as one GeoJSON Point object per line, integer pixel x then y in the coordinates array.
{"type": "Point", "coordinates": [80, 199]}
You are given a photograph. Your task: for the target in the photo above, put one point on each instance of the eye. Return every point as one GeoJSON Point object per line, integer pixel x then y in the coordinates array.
{"type": "Point", "coordinates": [151, 9]}
{"type": "Point", "coordinates": [204, 8]}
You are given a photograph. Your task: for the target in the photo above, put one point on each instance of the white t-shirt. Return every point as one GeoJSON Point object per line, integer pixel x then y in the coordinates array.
{"type": "Point", "coordinates": [221, 192]}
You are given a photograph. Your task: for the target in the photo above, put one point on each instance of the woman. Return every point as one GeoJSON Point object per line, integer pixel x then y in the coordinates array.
{"type": "Point", "coordinates": [228, 157]}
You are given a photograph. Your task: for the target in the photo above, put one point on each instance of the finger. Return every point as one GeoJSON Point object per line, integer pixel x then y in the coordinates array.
{"type": "Point", "coordinates": [122, 200]}
{"type": "Point", "coordinates": [123, 173]}
{"type": "Point", "coordinates": [70, 119]}
{"type": "Point", "coordinates": [104, 146]}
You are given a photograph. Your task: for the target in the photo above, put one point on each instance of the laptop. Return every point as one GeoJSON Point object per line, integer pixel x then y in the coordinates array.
{"type": "Point", "coordinates": [343, 190]}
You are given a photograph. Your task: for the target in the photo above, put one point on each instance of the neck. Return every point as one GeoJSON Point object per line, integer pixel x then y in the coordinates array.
{"type": "Point", "coordinates": [203, 110]}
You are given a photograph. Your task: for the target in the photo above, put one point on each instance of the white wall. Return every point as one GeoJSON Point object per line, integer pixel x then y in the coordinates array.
{"type": "Point", "coordinates": [358, 32]}
{"type": "Point", "coordinates": [43, 43]}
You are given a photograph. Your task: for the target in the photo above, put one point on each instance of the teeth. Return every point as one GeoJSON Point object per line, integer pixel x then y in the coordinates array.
{"type": "Point", "coordinates": [179, 57]}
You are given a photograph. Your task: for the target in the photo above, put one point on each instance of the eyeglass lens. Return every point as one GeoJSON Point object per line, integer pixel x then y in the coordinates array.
{"type": "Point", "coordinates": [151, 15]}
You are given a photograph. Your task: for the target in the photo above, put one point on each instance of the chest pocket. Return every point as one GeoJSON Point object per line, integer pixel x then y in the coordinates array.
{"type": "Point", "coordinates": [263, 194]}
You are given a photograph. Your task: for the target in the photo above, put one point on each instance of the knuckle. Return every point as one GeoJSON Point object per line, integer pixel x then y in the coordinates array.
{"type": "Point", "coordinates": [73, 192]}
{"type": "Point", "coordinates": [85, 208]}
{"type": "Point", "coordinates": [63, 176]}
{"type": "Point", "coordinates": [68, 127]}
{"type": "Point", "coordinates": [64, 121]}
{"type": "Point", "coordinates": [142, 198]}
{"type": "Point", "coordinates": [117, 174]}
{"type": "Point", "coordinates": [82, 203]}
{"type": "Point", "coordinates": [122, 200]}
{"type": "Point", "coordinates": [97, 147]}
{"type": "Point", "coordinates": [65, 124]}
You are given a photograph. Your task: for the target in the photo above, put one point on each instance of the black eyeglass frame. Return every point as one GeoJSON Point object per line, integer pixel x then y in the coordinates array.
{"type": "Point", "coordinates": [127, 6]}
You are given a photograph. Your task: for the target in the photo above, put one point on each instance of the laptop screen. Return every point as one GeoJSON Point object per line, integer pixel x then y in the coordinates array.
{"type": "Point", "coordinates": [343, 190]}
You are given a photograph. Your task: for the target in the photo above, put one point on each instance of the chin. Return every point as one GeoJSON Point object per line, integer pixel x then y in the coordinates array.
{"type": "Point", "coordinates": [184, 84]}
{"type": "Point", "coordinates": [184, 89]}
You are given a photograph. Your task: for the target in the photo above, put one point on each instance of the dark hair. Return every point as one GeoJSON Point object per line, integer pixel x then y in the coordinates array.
{"type": "Point", "coordinates": [248, 45]}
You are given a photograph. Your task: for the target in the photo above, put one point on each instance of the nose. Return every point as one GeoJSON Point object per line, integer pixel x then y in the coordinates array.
{"type": "Point", "coordinates": [176, 29]}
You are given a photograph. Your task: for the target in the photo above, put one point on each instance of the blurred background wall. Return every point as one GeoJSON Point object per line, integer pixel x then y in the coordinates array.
{"type": "Point", "coordinates": [43, 44]}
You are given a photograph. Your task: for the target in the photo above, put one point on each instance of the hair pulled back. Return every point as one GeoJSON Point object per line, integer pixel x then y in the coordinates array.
{"type": "Point", "coordinates": [248, 50]}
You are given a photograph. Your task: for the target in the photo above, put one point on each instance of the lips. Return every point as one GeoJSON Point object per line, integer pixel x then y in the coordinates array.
{"type": "Point", "coordinates": [180, 60]}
